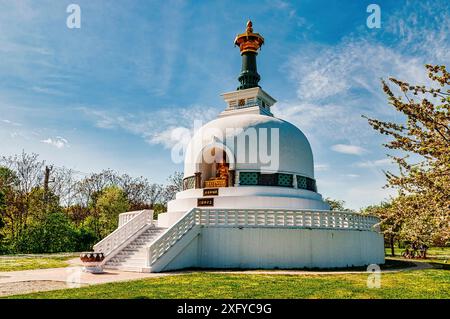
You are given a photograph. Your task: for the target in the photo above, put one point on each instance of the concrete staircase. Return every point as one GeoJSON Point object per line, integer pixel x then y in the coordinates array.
{"type": "Point", "coordinates": [133, 256]}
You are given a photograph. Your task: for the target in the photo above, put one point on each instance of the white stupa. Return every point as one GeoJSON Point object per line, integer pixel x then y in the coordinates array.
{"type": "Point", "coordinates": [249, 200]}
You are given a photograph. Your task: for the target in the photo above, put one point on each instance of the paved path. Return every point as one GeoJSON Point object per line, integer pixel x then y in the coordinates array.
{"type": "Point", "coordinates": [26, 281]}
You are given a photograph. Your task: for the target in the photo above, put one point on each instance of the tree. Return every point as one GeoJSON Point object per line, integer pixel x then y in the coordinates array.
{"type": "Point", "coordinates": [337, 205]}
{"type": "Point", "coordinates": [390, 221]}
{"type": "Point", "coordinates": [176, 181]}
{"type": "Point", "coordinates": [64, 186]}
{"type": "Point", "coordinates": [25, 173]}
{"type": "Point", "coordinates": [423, 181]}
{"type": "Point", "coordinates": [139, 192]}
{"type": "Point", "coordinates": [54, 234]}
{"type": "Point", "coordinates": [2, 223]}
{"type": "Point", "coordinates": [35, 196]}
{"type": "Point", "coordinates": [175, 185]}
{"type": "Point", "coordinates": [27, 169]}
{"type": "Point", "coordinates": [7, 181]}
{"type": "Point", "coordinates": [421, 223]}
{"type": "Point", "coordinates": [89, 188]}
{"type": "Point", "coordinates": [41, 203]}
{"type": "Point", "coordinates": [111, 202]}
{"type": "Point", "coordinates": [77, 213]}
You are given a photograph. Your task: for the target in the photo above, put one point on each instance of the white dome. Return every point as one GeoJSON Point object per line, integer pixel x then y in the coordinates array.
{"type": "Point", "coordinates": [295, 155]}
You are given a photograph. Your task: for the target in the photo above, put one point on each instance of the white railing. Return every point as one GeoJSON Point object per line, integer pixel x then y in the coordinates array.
{"type": "Point", "coordinates": [126, 217]}
{"type": "Point", "coordinates": [284, 218]}
{"type": "Point", "coordinates": [167, 239]}
{"type": "Point", "coordinates": [258, 218]}
{"type": "Point", "coordinates": [124, 232]}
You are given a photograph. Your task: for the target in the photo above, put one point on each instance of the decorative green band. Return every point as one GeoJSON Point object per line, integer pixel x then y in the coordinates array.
{"type": "Point", "coordinates": [276, 179]}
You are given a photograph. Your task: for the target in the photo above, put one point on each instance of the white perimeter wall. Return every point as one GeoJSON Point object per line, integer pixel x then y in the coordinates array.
{"type": "Point", "coordinates": [217, 247]}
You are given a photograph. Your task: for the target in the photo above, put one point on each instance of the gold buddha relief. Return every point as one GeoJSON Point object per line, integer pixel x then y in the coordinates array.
{"type": "Point", "coordinates": [222, 175]}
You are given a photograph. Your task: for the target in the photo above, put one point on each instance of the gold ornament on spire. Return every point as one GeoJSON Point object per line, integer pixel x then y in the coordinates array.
{"type": "Point", "coordinates": [249, 41]}
{"type": "Point", "coordinates": [249, 26]}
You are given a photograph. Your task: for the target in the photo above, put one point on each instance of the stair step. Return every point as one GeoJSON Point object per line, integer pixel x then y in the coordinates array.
{"type": "Point", "coordinates": [128, 263]}
{"type": "Point", "coordinates": [123, 262]}
{"type": "Point", "coordinates": [131, 252]}
{"type": "Point", "coordinates": [138, 244]}
{"type": "Point", "coordinates": [125, 257]}
{"type": "Point", "coordinates": [133, 256]}
{"type": "Point", "coordinates": [130, 268]}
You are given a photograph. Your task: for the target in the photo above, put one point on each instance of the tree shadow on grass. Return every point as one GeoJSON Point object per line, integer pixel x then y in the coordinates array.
{"type": "Point", "coordinates": [441, 266]}
{"type": "Point", "coordinates": [390, 264]}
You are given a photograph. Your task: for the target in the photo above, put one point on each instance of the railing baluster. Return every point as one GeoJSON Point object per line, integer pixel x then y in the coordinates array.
{"type": "Point", "coordinates": [134, 222]}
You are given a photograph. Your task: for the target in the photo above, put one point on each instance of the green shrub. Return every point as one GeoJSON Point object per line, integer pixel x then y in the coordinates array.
{"type": "Point", "coordinates": [54, 234]}
{"type": "Point", "coordinates": [86, 239]}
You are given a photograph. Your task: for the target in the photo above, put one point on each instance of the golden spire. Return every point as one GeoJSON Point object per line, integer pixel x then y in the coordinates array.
{"type": "Point", "coordinates": [249, 26]}
{"type": "Point", "coordinates": [249, 41]}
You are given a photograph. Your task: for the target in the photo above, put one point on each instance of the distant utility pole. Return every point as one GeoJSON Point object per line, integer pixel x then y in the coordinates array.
{"type": "Point", "coordinates": [47, 178]}
{"type": "Point", "coordinates": [48, 170]}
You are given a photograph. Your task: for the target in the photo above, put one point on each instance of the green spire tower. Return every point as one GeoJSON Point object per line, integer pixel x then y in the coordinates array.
{"type": "Point", "coordinates": [249, 43]}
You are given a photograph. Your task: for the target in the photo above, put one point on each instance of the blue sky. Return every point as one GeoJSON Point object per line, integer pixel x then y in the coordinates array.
{"type": "Point", "coordinates": [109, 94]}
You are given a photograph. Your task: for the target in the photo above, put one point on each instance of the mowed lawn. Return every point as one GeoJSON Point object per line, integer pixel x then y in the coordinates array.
{"type": "Point", "coordinates": [27, 262]}
{"type": "Point", "coordinates": [435, 255]}
{"type": "Point", "coordinates": [428, 283]}
{"type": "Point", "coordinates": [432, 252]}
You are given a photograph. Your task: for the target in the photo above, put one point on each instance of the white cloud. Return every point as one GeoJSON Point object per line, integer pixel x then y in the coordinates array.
{"type": "Point", "coordinates": [323, 72]}
{"type": "Point", "coordinates": [58, 142]}
{"type": "Point", "coordinates": [46, 90]}
{"type": "Point", "coordinates": [321, 167]}
{"type": "Point", "coordinates": [348, 149]}
{"type": "Point", "coordinates": [336, 84]}
{"type": "Point", "coordinates": [356, 190]}
{"type": "Point", "coordinates": [352, 175]}
{"type": "Point", "coordinates": [332, 122]}
{"type": "Point", "coordinates": [291, 12]}
{"type": "Point", "coordinates": [420, 33]}
{"type": "Point", "coordinates": [376, 163]}
{"type": "Point", "coordinates": [367, 193]}
{"type": "Point", "coordinates": [166, 127]}
{"type": "Point", "coordinates": [171, 137]}
{"type": "Point", "coordinates": [10, 122]}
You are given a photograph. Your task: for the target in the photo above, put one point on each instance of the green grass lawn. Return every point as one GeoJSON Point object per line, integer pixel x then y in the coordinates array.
{"type": "Point", "coordinates": [429, 283]}
{"type": "Point", "coordinates": [433, 252]}
{"type": "Point", "coordinates": [439, 252]}
{"type": "Point", "coordinates": [26, 262]}
{"type": "Point", "coordinates": [437, 256]}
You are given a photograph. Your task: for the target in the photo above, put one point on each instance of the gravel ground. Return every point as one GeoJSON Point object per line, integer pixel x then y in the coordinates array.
{"type": "Point", "coordinates": [23, 287]}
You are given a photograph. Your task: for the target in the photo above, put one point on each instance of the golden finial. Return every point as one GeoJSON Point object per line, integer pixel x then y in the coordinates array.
{"type": "Point", "coordinates": [249, 26]}
{"type": "Point", "coordinates": [249, 41]}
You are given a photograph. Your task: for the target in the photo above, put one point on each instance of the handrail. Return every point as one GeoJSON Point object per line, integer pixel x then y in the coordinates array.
{"type": "Point", "coordinates": [285, 218]}
{"type": "Point", "coordinates": [210, 217]}
{"type": "Point", "coordinates": [127, 216]}
{"type": "Point", "coordinates": [168, 238]}
{"type": "Point", "coordinates": [124, 232]}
